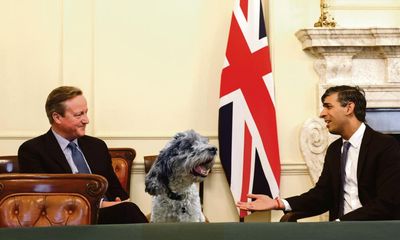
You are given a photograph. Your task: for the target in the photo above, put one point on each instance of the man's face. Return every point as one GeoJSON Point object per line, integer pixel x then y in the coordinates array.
{"type": "Point", "coordinates": [72, 125]}
{"type": "Point", "coordinates": [334, 114]}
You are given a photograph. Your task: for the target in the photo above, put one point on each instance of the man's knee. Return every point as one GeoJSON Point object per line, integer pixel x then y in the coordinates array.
{"type": "Point", "coordinates": [123, 213]}
{"type": "Point", "coordinates": [134, 214]}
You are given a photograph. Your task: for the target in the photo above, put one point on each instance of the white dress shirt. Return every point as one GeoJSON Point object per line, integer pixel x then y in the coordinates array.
{"type": "Point", "coordinates": [351, 199]}
{"type": "Point", "coordinates": [67, 151]}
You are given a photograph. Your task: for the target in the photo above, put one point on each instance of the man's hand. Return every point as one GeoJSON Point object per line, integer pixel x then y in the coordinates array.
{"type": "Point", "coordinates": [112, 203]}
{"type": "Point", "coordinates": [261, 202]}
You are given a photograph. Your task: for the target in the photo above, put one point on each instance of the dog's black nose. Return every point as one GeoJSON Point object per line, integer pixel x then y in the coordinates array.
{"type": "Point", "coordinates": [213, 150]}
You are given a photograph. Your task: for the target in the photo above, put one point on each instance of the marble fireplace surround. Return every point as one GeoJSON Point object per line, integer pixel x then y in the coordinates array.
{"type": "Point", "coordinates": [367, 57]}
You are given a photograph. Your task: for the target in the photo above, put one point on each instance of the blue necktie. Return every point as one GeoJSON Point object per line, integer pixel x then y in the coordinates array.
{"type": "Point", "coordinates": [78, 159]}
{"type": "Point", "coordinates": [343, 160]}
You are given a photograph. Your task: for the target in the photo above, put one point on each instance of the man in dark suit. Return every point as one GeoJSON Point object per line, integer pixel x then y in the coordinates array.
{"type": "Point", "coordinates": [361, 172]}
{"type": "Point", "coordinates": [66, 149]}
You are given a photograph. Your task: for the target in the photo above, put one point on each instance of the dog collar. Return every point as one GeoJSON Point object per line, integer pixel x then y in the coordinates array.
{"type": "Point", "coordinates": [175, 196]}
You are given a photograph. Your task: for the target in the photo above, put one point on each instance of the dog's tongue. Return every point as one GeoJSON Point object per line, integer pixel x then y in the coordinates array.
{"type": "Point", "coordinates": [201, 170]}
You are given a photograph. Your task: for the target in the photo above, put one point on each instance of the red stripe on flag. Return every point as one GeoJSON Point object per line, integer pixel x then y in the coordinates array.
{"type": "Point", "coordinates": [248, 63]}
{"type": "Point", "coordinates": [245, 72]}
{"type": "Point", "coordinates": [248, 143]}
{"type": "Point", "coordinates": [244, 6]}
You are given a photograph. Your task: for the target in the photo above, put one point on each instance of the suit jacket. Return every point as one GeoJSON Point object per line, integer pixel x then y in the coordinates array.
{"type": "Point", "coordinates": [43, 154]}
{"type": "Point", "coordinates": [378, 175]}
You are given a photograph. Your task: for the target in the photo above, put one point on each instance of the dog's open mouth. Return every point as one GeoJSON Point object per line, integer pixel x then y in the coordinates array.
{"type": "Point", "coordinates": [201, 171]}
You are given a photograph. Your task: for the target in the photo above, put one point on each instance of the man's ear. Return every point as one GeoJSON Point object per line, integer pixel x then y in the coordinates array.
{"type": "Point", "coordinates": [350, 108]}
{"type": "Point", "coordinates": [56, 117]}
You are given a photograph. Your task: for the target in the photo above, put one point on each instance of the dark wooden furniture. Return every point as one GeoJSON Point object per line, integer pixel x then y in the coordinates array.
{"type": "Point", "coordinates": [9, 164]}
{"type": "Point", "coordinates": [31, 200]}
{"type": "Point", "coordinates": [122, 159]}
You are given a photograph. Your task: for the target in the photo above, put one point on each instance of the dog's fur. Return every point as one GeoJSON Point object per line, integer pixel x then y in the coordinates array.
{"type": "Point", "coordinates": [185, 160]}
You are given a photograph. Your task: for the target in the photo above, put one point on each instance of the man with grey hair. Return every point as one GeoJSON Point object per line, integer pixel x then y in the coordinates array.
{"type": "Point", "coordinates": [66, 149]}
{"type": "Point", "coordinates": [361, 172]}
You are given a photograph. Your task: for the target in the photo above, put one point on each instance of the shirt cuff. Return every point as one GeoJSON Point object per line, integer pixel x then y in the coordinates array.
{"type": "Point", "coordinates": [287, 205]}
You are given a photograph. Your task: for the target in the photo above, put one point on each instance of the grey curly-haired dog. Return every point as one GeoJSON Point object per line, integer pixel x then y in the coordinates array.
{"type": "Point", "coordinates": [184, 161]}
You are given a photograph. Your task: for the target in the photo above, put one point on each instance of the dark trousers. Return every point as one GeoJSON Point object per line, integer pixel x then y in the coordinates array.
{"type": "Point", "coordinates": [126, 212]}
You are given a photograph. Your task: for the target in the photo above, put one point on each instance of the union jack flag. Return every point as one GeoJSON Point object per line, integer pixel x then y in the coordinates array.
{"type": "Point", "coordinates": [247, 124]}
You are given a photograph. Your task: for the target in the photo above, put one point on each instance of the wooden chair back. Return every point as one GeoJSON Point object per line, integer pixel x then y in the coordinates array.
{"type": "Point", "coordinates": [30, 200]}
{"type": "Point", "coordinates": [9, 164]}
{"type": "Point", "coordinates": [122, 159]}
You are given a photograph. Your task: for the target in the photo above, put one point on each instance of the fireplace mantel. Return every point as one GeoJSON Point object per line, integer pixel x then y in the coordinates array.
{"type": "Point", "coordinates": [367, 57]}
{"type": "Point", "coordinates": [348, 37]}
{"type": "Point", "coordinates": [361, 56]}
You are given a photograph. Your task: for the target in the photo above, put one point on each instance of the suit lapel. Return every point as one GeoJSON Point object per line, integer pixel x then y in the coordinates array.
{"type": "Point", "coordinates": [56, 152]}
{"type": "Point", "coordinates": [86, 149]}
{"type": "Point", "coordinates": [336, 168]}
{"type": "Point", "coordinates": [363, 150]}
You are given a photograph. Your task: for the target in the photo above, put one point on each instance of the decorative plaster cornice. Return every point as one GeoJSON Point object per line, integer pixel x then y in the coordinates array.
{"type": "Point", "coordinates": [348, 37]}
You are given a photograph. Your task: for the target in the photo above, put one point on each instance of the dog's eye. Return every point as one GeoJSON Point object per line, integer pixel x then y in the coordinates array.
{"type": "Point", "coordinates": [183, 146]}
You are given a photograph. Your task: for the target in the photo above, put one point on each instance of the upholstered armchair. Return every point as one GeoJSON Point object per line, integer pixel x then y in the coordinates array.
{"type": "Point", "coordinates": [30, 200]}
{"type": "Point", "coordinates": [9, 164]}
{"type": "Point", "coordinates": [122, 159]}
{"type": "Point", "coordinates": [148, 162]}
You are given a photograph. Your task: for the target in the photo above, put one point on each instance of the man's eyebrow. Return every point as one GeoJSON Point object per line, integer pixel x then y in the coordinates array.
{"type": "Point", "coordinates": [326, 104]}
{"type": "Point", "coordinates": [79, 112]}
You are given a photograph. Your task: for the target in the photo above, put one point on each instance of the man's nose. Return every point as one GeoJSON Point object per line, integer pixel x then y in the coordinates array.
{"type": "Point", "coordinates": [85, 119]}
{"type": "Point", "coordinates": [322, 114]}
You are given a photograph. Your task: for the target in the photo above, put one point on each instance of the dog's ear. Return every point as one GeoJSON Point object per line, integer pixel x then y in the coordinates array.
{"type": "Point", "coordinates": [156, 181]}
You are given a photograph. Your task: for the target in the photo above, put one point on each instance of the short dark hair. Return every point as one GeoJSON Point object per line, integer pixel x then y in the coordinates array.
{"type": "Point", "coordinates": [57, 97]}
{"type": "Point", "coordinates": [348, 94]}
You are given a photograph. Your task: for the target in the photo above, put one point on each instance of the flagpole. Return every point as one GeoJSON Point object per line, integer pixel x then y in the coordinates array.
{"type": "Point", "coordinates": [325, 20]}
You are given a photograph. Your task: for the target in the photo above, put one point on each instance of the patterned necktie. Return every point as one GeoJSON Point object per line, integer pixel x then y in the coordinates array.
{"type": "Point", "coordinates": [343, 160]}
{"type": "Point", "coordinates": [78, 159]}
